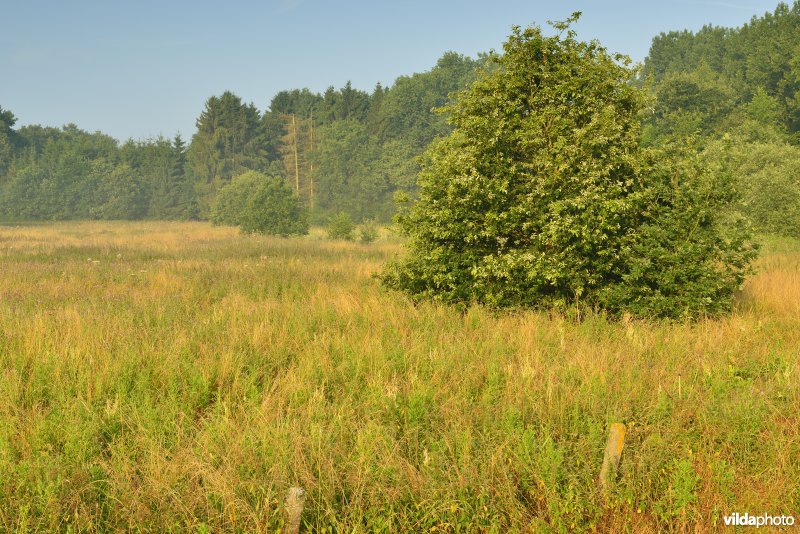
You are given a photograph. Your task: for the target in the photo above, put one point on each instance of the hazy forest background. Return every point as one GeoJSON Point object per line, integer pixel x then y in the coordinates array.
{"type": "Point", "coordinates": [734, 92]}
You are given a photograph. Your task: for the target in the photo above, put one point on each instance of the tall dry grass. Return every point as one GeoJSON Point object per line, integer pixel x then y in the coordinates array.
{"type": "Point", "coordinates": [177, 376]}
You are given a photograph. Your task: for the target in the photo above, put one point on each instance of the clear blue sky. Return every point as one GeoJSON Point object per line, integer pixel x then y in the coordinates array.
{"type": "Point", "coordinates": [143, 68]}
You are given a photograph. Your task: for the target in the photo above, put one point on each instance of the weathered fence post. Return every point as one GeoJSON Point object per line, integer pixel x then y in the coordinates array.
{"type": "Point", "coordinates": [295, 499]}
{"type": "Point", "coordinates": [616, 441]}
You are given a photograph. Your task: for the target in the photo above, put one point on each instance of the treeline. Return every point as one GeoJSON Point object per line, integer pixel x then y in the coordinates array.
{"type": "Point", "coordinates": [732, 93]}
{"type": "Point", "coordinates": [52, 174]}
{"type": "Point", "coordinates": [735, 94]}
{"type": "Point", "coordinates": [345, 150]}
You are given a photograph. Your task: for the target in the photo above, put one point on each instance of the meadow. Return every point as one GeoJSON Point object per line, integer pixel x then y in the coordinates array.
{"type": "Point", "coordinates": [172, 377]}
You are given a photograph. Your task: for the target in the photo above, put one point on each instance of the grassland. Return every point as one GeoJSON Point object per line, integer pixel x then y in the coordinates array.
{"type": "Point", "coordinates": [181, 377]}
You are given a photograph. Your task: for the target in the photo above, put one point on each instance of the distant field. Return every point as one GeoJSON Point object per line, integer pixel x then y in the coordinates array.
{"type": "Point", "coordinates": [178, 376]}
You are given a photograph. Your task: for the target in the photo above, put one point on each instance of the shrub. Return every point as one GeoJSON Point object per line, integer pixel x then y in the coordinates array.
{"type": "Point", "coordinates": [262, 204]}
{"type": "Point", "coordinates": [368, 231]}
{"type": "Point", "coordinates": [543, 197]}
{"type": "Point", "coordinates": [341, 227]}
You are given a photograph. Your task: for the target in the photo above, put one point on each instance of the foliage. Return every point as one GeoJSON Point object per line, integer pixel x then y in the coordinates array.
{"type": "Point", "coordinates": [229, 141]}
{"type": "Point", "coordinates": [347, 177]}
{"type": "Point", "coordinates": [258, 203]}
{"type": "Point", "coordinates": [354, 150]}
{"type": "Point", "coordinates": [688, 104]}
{"type": "Point", "coordinates": [8, 139]}
{"type": "Point", "coordinates": [345, 149]}
{"type": "Point", "coordinates": [117, 192]}
{"type": "Point", "coordinates": [61, 181]}
{"type": "Point", "coordinates": [167, 189]}
{"type": "Point", "coordinates": [71, 174]}
{"type": "Point", "coordinates": [768, 174]}
{"type": "Point", "coordinates": [733, 68]}
{"type": "Point", "coordinates": [341, 226]}
{"type": "Point", "coordinates": [690, 250]}
{"type": "Point", "coordinates": [681, 496]}
{"type": "Point", "coordinates": [542, 197]}
{"type": "Point", "coordinates": [300, 102]}
{"type": "Point", "coordinates": [344, 105]}
{"type": "Point", "coordinates": [406, 107]}
{"type": "Point", "coordinates": [737, 91]}
{"type": "Point", "coordinates": [368, 231]}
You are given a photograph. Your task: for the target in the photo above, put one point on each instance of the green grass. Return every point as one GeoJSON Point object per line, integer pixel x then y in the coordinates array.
{"type": "Point", "coordinates": [173, 377]}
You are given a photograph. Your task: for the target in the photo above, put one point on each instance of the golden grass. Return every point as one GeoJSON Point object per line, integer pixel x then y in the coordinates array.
{"type": "Point", "coordinates": [179, 376]}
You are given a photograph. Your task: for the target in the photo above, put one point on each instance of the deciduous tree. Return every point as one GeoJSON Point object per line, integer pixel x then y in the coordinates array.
{"type": "Point", "coordinates": [543, 197]}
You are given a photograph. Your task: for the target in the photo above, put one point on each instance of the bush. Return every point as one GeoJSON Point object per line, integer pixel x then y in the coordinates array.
{"type": "Point", "coordinates": [368, 231]}
{"type": "Point", "coordinates": [341, 227]}
{"type": "Point", "coordinates": [543, 197]}
{"type": "Point", "coordinates": [261, 204]}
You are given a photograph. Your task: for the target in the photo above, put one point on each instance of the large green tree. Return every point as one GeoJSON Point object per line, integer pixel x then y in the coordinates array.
{"type": "Point", "coordinates": [543, 197]}
{"type": "Point", "coordinates": [8, 139]}
{"type": "Point", "coordinates": [229, 141]}
{"type": "Point", "coordinates": [406, 108]}
{"type": "Point", "coordinates": [347, 171]}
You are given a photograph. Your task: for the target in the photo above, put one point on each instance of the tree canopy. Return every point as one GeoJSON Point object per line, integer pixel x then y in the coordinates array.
{"type": "Point", "coordinates": [543, 197]}
{"type": "Point", "coordinates": [716, 70]}
{"type": "Point", "coordinates": [736, 92]}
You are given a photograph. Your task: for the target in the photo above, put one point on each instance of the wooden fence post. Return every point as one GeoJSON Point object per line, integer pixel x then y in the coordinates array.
{"type": "Point", "coordinates": [616, 441]}
{"type": "Point", "coordinates": [295, 499]}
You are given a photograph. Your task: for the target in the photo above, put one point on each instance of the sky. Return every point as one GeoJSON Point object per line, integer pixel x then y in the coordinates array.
{"type": "Point", "coordinates": [144, 68]}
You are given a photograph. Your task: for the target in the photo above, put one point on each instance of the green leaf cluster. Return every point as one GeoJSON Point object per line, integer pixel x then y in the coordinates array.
{"type": "Point", "coordinates": [542, 196]}
{"type": "Point", "coordinates": [736, 91]}
{"type": "Point", "coordinates": [707, 82]}
{"type": "Point", "coordinates": [341, 227]}
{"type": "Point", "coordinates": [68, 173]}
{"type": "Point", "coordinates": [368, 231]}
{"type": "Point", "coordinates": [262, 204]}
{"type": "Point", "coordinates": [341, 150]}
{"type": "Point", "coordinates": [768, 175]}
